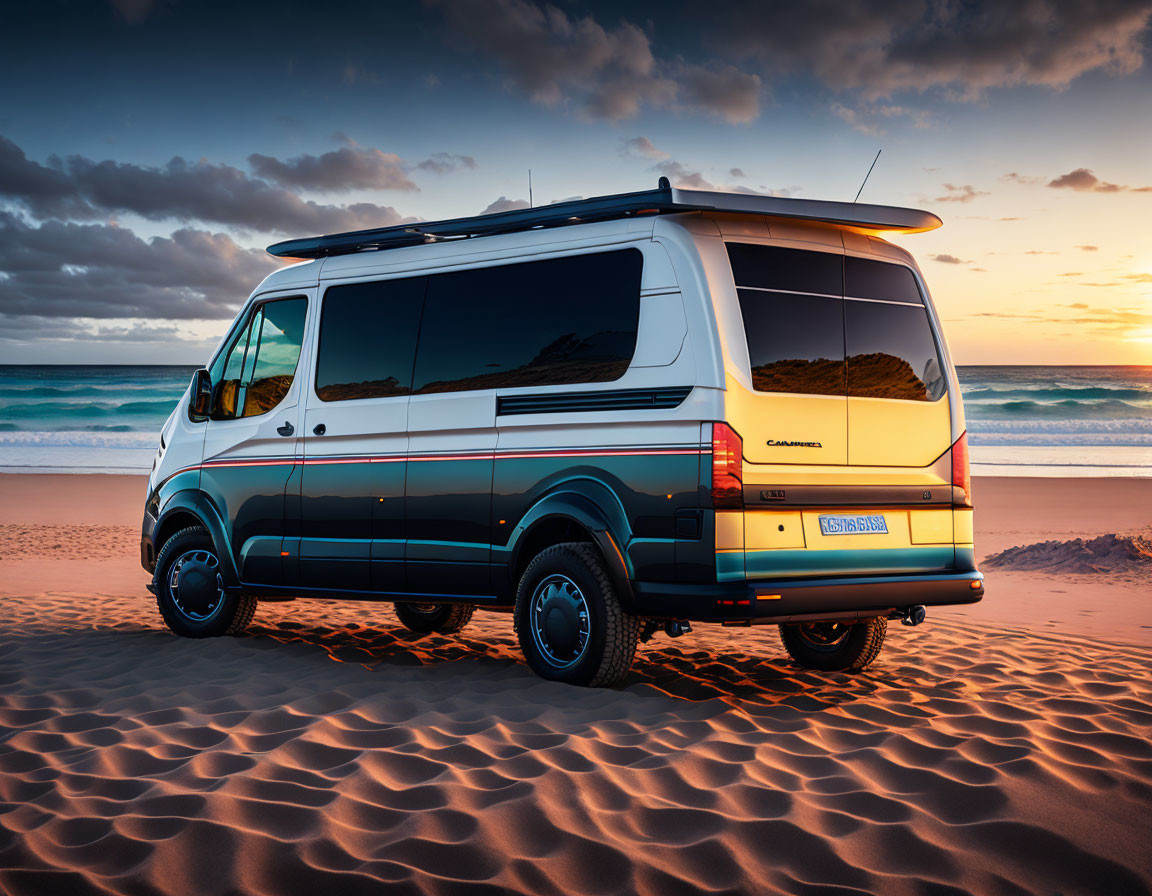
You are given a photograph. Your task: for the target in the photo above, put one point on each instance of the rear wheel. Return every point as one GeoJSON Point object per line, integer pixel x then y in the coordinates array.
{"type": "Point", "coordinates": [835, 646]}
{"type": "Point", "coordinates": [569, 621]}
{"type": "Point", "coordinates": [190, 591]}
{"type": "Point", "coordinates": [440, 618]}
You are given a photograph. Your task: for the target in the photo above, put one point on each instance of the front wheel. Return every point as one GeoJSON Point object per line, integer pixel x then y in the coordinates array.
{"type": "Point", "coordinates": [835, 646]}
{"type": "Point", "coordinates": [190, 591]}
{"type": "Point", "coordinates": [569, 621]}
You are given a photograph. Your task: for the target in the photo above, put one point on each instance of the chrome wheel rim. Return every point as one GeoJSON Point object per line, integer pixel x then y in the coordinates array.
{"type": "Point", "coordinates": [196, 585]}
{"type": "Point", "coordinates": [559, 620]}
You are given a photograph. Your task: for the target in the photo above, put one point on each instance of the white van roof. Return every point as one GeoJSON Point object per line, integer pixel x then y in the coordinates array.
{"type": "Point", "coordinates": [665, 199]}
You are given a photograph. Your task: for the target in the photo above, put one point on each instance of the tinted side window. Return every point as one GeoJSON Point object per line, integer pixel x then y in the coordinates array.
{"type": "Point", "coordinates": [795, 343]}
{"type": "Point", "coordinates": [891, 352]}
{"type": "Point", "coordinates": [368, 339]}
{"type": "Point", "coordinates": [541, 323]}
{"type": "Point", "coordinates": [260, 364]}
{"type": "Point", "coordinates": [868, 279]}
{"type": "Point", "coordinates": [798, 270]}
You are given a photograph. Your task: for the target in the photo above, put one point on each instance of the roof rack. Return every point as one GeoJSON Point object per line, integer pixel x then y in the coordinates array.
{"type": "Point", "coordinates": [662, 201]}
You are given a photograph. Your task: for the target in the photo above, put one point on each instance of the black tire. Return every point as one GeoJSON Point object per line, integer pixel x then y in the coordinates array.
{"type": "Point", "coordinates": [443, 619]}
{"type": "Point", "coordinates": [835, 646]}
{"type": "Point", "coordinates": [205, 612]}
{"type": "Point", "coordinates": [593, 647]}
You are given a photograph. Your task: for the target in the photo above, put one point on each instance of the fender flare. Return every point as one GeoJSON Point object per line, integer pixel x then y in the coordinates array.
{"type": "Point", "coordinates": [195, 503]}
{"type": "Point", "coordinates": [595, 508]}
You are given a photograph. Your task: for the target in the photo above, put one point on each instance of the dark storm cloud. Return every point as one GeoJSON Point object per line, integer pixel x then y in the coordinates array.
{"type": "Point", "coordinates": [46, 191]}
{"type": "Point", "coordinates": [81, 188]}
{"type": "Point", "coordinates": [347, 168]}
{"type": "Point", "coordinates": [883, 46]}
{"type": "Point", "coordinates": [609, 71]}
{"type": "Point", "coordinates": [67, 269]}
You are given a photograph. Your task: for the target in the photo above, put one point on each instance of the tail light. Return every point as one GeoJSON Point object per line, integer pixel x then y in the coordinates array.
{"type": "Point", "coordinates": [727, 468]}
{"type": "Point", "coordinates": [961, 474]}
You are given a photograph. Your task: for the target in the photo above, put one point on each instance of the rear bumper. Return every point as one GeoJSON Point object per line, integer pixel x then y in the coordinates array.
{"type": "Point", "coordinates": [764, 601]}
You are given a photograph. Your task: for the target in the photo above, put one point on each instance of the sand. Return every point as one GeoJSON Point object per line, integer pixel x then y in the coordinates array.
{"type": "Point", "coordinates": [995, 749]}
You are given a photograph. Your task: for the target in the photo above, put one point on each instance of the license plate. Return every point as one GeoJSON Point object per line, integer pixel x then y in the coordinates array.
{"type": "Point", "coordinates": [853, 524]}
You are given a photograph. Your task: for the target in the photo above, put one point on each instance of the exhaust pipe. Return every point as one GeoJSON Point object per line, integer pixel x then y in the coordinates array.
{"type": "Point", "coordinates": [913, 615]}
{"type": "Point", "coordinates": [676, 627]}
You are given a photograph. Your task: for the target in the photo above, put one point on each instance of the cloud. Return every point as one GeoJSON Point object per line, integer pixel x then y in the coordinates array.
{"type": "Point", "coordinates": [504, 204]}
{"type": "Point", "coordinates": [944, 258]}
{"type": "Point", "coordinates": [866, 117]}
{"type": "Point", "coordinates": [46, 191]}
{"type": "Point", "coordinates": [736, 172]}
{"type": "Point", "coordinates": [1083, 180]}
{"type": "Point", "coordinates": [82, 189]}
{"type": "Point", "coordinates": [723, 91]}
{"type": "Point", "coordinates": [962, 193]}
{"type": "Point", "coordinates": [608, 72]}
{"type": "Point", "coordinates": [1088, 248]}
{"type": "Point", "coordinates": [640, 147]}
{"type": "Point", "coordinates": [446, 162]}
{"type": "Point", "coordinates": [66, 269]}
{"type": "Point", "coordinates": [881, 47]}
{"type": "Point", "coordinates": [682, 177]}
{"type": "Point", "coordinates": [133, 11]}
{"type": "Point", "coordinates": [1017, 178]}
{"type": "Point", "coordinates": [347, 168]}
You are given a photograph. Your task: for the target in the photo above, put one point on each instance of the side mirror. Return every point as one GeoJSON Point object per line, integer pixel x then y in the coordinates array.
{"type": "Point", "coordinates": [200, 403]}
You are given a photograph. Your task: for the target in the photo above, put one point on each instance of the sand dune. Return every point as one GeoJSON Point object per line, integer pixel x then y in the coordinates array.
{"type": "Point", "coordinates": [1105, 554]}
{"type": "Point", "coordinates": [330, 751]}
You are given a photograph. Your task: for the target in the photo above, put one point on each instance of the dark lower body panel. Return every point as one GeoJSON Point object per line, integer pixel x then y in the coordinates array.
{"type": "Point", "coordinates": [763, 601]}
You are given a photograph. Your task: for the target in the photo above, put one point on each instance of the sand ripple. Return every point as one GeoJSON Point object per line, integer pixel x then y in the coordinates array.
{"type": "Point", "coordinates": [330, 751]}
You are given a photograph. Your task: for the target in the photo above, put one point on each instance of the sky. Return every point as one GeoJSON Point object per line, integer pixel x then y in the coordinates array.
{"type": "Point", "coordinates": [151, 149]}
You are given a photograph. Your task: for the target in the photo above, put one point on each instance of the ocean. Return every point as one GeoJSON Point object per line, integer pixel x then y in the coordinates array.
{"type": "Point", "coordinates": [1024, 421]}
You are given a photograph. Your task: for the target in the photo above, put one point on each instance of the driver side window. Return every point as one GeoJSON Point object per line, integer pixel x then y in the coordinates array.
{"type": "Point", "coordinates": [255, 373]}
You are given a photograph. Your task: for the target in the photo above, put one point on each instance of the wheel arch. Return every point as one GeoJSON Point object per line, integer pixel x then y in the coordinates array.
{"type": "Point", "coordinates": [191, 508]}
{"type": "Point", "coordinates": [580, 510]}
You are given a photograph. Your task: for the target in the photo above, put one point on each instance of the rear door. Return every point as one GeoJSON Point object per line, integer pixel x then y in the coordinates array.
{"type": "Point", "coordinates": [355, 436]}
{"type": "Point", "coordinates": [898, 414]}
{"type": "Point", "coordinates": [791, 302]}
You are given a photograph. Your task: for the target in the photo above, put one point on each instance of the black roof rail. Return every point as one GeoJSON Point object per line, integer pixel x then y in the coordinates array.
{"type": "Point", "coordinates": [665, 199]}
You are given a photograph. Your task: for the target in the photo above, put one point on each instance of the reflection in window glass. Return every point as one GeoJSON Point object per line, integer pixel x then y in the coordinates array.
{"type": "Point", "coordinates": [868, 279]}
{"type": "Point", "coordinates": [795, 343]}
{"type": "Point", "coordinates": [368, 339]}
{"type": "Point", "coordinates": [891, 352]}
{"type": "Point", "coordinates": [541, 323]}
{"type": "Point", "coordinates": [262, 361]}
{"type": "Point", "coordinates": [797, 270]}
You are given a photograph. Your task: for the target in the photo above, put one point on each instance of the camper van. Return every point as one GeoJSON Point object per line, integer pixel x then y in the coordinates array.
{"type": "Point", "coordinates": [610, 418]}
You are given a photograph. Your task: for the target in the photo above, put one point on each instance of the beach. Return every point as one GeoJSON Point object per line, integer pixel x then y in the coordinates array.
{"type": "Point", "coordinates": [1003, 747]}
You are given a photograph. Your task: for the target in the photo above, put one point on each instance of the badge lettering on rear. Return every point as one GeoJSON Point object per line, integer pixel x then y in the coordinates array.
{"type": "Point", "coordinates": [855, 524]}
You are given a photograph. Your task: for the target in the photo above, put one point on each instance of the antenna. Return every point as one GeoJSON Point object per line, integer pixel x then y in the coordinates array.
{"type": "Point", "coordinates": [866, 176]}
{"type": "Point", "coordinates": [530, 188]}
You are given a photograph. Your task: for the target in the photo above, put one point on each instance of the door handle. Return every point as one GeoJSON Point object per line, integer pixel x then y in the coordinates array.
{"type": "Point", "coordinates": [286, 430]}
{"type": "Point", "coordinates": [319, 429]}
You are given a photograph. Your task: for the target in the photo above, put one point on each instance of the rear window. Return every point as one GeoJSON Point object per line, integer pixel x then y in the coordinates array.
{"type": "Point", "coordinates": [541, 323]}
{"type": "Point", "coordinates": [891, 352]}
{"type": "Point", "coordinates": [820, 323]}
{"type": "Point", "coordinates": [795, 342]}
